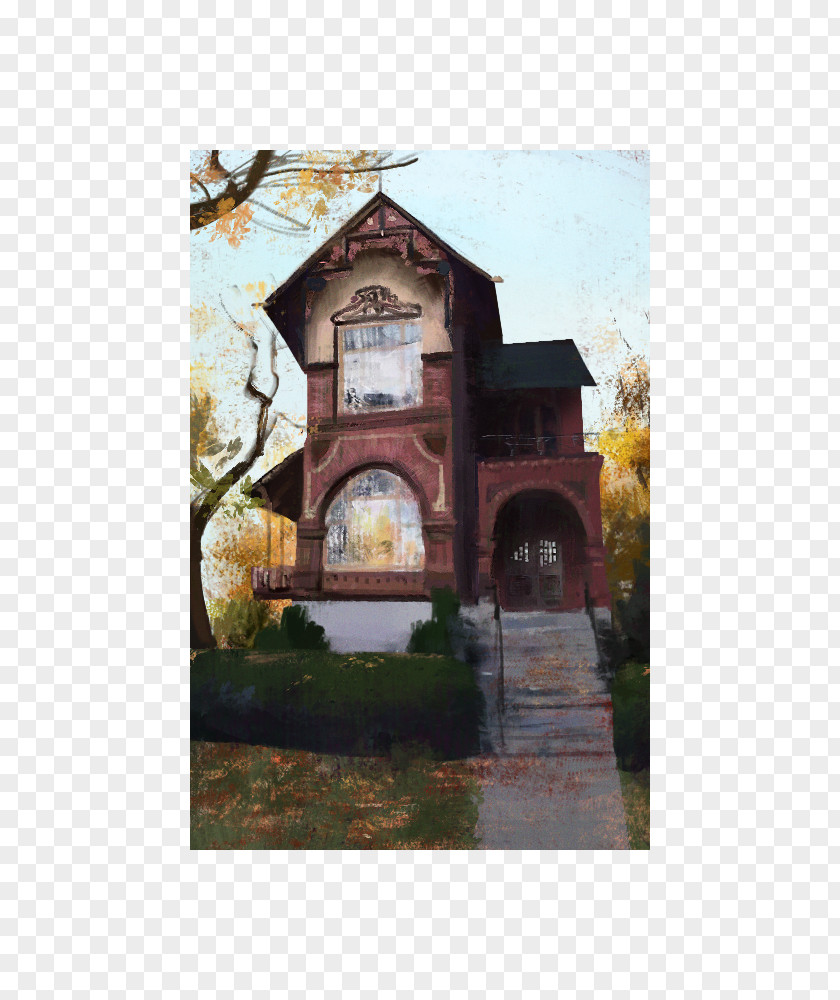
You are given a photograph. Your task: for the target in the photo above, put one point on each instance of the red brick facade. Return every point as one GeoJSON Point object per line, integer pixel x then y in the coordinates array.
{"type": "Point", "coordinates": [463, 489]}
{"type": "Point", "coordinates": [401, 442]}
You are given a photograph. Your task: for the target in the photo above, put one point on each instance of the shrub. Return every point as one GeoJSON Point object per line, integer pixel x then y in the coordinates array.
{"type": "Point", "coordinates": [631, 716]}
{"type": "Point", "coordinates": [326, 702]}
{"type": "Point", "coordinates": [295, 631]}
{"type": "Point", "coordinates": [432, 637]}
{"type": "Point", "coordinates": [239, 621]}
{"type": "Point", "coordinates": [634, 613]}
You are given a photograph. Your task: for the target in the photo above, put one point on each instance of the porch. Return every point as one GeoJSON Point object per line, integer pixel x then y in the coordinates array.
{"type": "Point", "coordinates": [278, 582]}
{"type": "Point", "coordinates": [540, 543]}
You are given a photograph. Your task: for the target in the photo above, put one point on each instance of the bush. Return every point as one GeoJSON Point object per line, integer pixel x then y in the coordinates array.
{"type": "Point", "coordinates": [239, 622]}
{"type": "Point", "coordinates": [631, 716]}
{"type": "Point", "coordinates": [432, 637]}
{"type": "Point", "coordinates": [361, 703]}
{"type": "Point", "coordinates": [634, 614]}
{"type": "Point", "coordinates": [295, 631]}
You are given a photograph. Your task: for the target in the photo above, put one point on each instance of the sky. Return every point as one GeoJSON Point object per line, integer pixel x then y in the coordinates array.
{"type": "Point", "coordinates": [567, 231]}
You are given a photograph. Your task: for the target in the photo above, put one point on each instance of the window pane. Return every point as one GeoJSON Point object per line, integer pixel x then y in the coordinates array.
{"type": "Point", "coordinates": [382, 367]}
{"type": "Point", "coordinates": [374, 522]}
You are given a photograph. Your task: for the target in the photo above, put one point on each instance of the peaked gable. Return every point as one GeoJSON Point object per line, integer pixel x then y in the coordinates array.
{"type": "Point", "coordinates": [381, 221]}
{"type": "Point", "coordinates": [383, 228]}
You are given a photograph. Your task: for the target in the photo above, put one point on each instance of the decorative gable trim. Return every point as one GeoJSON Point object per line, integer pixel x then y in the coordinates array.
{"type": "Point", "coordinates": [375, 302]}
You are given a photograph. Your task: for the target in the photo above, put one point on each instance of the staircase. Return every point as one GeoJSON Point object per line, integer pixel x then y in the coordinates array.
{"type": "Point", "coordinates": [551, 778]}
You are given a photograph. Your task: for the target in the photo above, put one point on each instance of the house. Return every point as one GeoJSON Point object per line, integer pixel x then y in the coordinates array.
{"type": "Point", "coordinates": [436, 455]}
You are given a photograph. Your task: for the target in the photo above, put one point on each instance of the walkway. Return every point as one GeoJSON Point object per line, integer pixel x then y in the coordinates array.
{"type": "Point", "coordinates": [548, 768]}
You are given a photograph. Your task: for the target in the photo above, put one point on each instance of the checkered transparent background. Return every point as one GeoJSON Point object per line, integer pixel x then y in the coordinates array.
{"type": "Point", "coordinates": [101, 894]}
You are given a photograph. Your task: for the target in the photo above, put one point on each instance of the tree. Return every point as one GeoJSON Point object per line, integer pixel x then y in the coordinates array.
{"type": "Point", "coordinates": [212, 487]}
{"type": "Point", "coordinates": [233, 547]}
{"type": "Point", "coordinates": [625, 479]}
{"type": "Point", "coordinates": [295, 181]}
{"type": "Point", "coordinates": [223, 195]}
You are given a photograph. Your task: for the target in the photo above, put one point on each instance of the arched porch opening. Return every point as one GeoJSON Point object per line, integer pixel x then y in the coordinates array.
{"type": "Point", "coordinates": [539, 553]}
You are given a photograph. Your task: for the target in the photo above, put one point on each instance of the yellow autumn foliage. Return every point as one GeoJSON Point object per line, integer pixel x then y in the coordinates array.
{"type": "Point", "coordinates": [234, 549]}
{"type": "Point", "coordinates": [308, 192]}
{"type": "Point", "coordinates": [625, 477]}
{"type": "Point", "coordinates": [233, 223]}
{"type": "Point", "coordinates": [625, 505]}
{"type": "Point", "coordinates": [628, 448]}
{"type": "Point", "coordinates": [302, 191]}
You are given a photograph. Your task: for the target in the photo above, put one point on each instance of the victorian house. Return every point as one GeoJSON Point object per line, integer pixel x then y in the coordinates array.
{"type": "Point", "coordinates": [436, 455]}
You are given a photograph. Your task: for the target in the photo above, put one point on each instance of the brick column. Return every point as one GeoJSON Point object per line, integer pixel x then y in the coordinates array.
{"type": "Point", "coordinates": [310, 547]}
{"type": "Point", "coordinates": [485, 569]}
{"type": "Point", "coordinates": [595, 574]}
{"type": "Point", "coordinates": [438, 537]}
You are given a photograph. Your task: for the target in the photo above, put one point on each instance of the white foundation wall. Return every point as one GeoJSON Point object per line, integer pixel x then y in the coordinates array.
{"type": "Point", "coordinates": [368, 626]}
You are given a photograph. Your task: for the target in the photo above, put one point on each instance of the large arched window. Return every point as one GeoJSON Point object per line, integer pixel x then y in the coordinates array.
{"type": "Point", "coordinates": [374, 522]}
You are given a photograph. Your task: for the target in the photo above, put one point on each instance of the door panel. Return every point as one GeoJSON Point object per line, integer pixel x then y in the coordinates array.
{"type": "Point", "coordinates": [537, 553]}
{"type": "Point", "coordinates": [533, 567]}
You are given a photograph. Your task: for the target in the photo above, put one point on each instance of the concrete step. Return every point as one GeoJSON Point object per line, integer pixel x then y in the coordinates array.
{"type": "Point", "coordinates": [558, 697]}
{"type": "Point", "coordinates": [555, 730]}
{"type": "Point", "coordinates": [549, 776]}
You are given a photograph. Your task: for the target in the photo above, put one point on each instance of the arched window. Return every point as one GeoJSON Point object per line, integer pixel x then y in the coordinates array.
{"type": "Point", "coordinates": [374, 522]}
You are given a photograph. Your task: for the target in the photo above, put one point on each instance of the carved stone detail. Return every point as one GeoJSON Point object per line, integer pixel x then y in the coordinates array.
{"type": "Point", "coordinates": [376, 302]}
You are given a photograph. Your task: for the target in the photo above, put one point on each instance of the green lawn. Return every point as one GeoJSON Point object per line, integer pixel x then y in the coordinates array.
{"type": "Point", "coordinates": [631, 736]}
{"type": "Point", "coordinates": [256, 797]}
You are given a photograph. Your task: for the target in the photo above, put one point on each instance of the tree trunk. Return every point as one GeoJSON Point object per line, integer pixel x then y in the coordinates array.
{"type": "Point", "coordinates": [201, 634]}
{"type": "Point", "coordinates": [205, 505]}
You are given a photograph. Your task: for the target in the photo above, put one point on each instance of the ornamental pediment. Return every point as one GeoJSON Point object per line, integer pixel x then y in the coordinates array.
{"type": "Point", "coordinates": [375, 302]}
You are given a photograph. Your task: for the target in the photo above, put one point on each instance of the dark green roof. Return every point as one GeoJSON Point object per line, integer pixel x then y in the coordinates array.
{"type": "Point", "coordinates": [549, 364]}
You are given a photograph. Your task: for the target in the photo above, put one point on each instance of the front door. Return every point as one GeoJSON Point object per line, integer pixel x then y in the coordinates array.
{"type": "Point", "coordinates": [533, 560]}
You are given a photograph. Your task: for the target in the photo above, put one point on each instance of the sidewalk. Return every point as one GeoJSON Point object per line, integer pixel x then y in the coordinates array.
{"type": "Point", "coordinates": [548, 768]}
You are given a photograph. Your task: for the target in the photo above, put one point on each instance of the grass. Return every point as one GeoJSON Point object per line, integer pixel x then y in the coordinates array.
{"type": "Point", "coordinates": [334, 703]}
{"type": "Point", "coordinates": [631, 735]}
{"type": "Point", "coordinates": [257, 798]}
{"type": "Point", "coordinates": [635, 790]}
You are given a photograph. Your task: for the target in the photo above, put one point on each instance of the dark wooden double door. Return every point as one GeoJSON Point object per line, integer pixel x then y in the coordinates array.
{"type": "Point", "coordinates": [531, 556]}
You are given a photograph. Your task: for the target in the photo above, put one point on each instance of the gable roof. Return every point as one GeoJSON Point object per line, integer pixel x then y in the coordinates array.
{"type": "Point", "coordinates": [549, 364]}
{"type": "Point", "coordinates": [282, 486]}
{"type": "Point", "coordinates": [379, 200]}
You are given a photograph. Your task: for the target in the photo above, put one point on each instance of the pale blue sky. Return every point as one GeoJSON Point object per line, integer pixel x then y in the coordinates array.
{"type": "Point", "coordinates": [568, 231]}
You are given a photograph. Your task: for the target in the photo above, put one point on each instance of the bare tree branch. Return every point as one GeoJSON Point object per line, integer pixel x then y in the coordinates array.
{"type": "Point", "coordinates": [374, 169]}
{"type": "Point", "coordinates": [629, 348]}
{"type": "Point", "coordinates": [194, 180]}
{"type": "Point", "coordinates": [204, 213]}
{"type": "Point", "coordinates": [265, 164]}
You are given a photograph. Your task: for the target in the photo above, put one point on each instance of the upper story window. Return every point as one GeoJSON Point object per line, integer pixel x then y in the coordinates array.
{"type": "Point", "coordinates": [381, 365]}
{"type": "Point", "coordinates": [379, 347]}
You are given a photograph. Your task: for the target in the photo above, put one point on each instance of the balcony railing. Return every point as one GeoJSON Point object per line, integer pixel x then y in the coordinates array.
{"type": "Point", "coordinates": [271, 578]}
{"type": "Point", "coordinates": [510, 445]}
{"type": "Point", "coordinates": [391, 582]}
